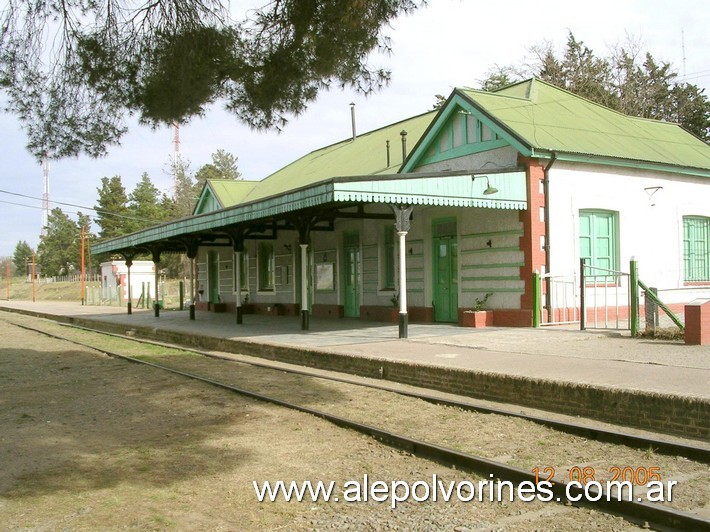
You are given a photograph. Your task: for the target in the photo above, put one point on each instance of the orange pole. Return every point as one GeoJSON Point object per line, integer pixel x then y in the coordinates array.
{"type": "Point", "coordinates": [33, 277]}
{"type": "Point", "coordinates": [83, 289]}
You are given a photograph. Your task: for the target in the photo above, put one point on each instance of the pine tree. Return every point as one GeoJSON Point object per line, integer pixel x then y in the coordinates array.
{"type": "Point", "coordinates": [59, 250]}
{"type": "Point", "coordinates": [112, 208]}
{"type": "Point", "coordinates": [22, 255]}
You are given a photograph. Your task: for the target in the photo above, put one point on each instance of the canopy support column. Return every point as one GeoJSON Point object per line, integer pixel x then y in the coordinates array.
{"type": "Point", "coordinates": [402, 225]}
{"type": "Point", "coordinates": [304, 225]}
{"type": "Point", "coordinates": [191, 249]}
{"type": "Point", "coordinates": [129, 305]}
{"type": "Point", "coordinates": [304, 287]}
{"type": "Point", "coordinates": [156, 261]}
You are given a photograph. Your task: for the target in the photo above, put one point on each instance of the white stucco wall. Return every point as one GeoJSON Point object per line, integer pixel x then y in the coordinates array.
{"type": "Point", "coordinates": [650, 227]}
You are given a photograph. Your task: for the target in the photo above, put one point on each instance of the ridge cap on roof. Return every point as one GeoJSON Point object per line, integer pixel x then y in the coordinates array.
{"type": "Point", "coordinates": [346, 141]}
{"type": "Point", "coordinates": [537, 81]}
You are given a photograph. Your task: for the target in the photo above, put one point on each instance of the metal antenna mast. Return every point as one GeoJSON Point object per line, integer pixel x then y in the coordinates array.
{"type": "Point", "coordinates": [176, 156]}
{"type": "Point", "coordinates": [176, 141]}
{"type": "Point", "coordinates": [45, 194]}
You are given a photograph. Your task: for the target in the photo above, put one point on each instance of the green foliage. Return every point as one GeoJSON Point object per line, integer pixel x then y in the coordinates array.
{"type": "Point", "coordinates": [143, 206]}
{"type": "Point", "coordinates": [73, 70]}
{"type": "Point", "coordinates": [59, 250]}
{"type": "Point", "coordinates": [184, 196]}
{"type": "Point", "coordinates": [111, 208]}
{"type": "Point", "coordinates": [628, 81]}
{"type": "Point", "coordinates": [480, 303]}
{"type": "Point", "coordinates": [22, 255]}
{"type": "Point", "coordinates": [223, 166]}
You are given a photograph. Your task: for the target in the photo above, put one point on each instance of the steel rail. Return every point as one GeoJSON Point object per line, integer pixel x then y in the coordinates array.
{"type": "Point", "coordinates": [692, 452]}
{"type": "Point", "coordinates": [649, 515]}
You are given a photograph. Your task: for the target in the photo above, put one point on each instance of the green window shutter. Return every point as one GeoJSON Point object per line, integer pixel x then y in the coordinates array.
{"type": "Point", "coordinates": [598, 238]}
{"type": "Point", "coordinates": [696, 248]}
{"type": "Point", "coordinates": [388, 259]}
{"type": "Point", "coordinates": [266, 266]}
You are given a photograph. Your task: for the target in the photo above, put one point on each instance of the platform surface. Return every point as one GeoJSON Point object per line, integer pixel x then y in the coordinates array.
{"type": "Point", "coordinates": [600, 358]}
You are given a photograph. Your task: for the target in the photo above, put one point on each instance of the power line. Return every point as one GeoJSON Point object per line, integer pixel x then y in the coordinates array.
{"type": "Point", "coordinates": [98, 211]}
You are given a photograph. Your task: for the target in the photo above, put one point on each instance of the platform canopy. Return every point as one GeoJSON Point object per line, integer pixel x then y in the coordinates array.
{"type": "Point", "coordinates": [322, 203]}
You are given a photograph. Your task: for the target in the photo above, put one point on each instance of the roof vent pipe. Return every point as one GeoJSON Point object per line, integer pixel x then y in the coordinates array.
{"type": "Point", "coordinates": [404, 145]}
{"type": "Point", "coordinates": [388, 154]}
{"type": "Point", "coordinates": [352, 118]}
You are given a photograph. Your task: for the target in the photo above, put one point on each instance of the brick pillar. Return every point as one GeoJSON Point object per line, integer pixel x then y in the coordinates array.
{"type": "Point", "coordinates": [697, 322]}
{"type": "Point", "coordinates": [533, 229]}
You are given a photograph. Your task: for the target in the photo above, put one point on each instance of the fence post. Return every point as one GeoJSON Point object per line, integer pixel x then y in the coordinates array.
{"type": "Point", "coordinates": [582, 304]}
{"type": "Point", "coordinates": [536, 299]}
{"type": "Point", "coordinates": [633, 297]}
{"type": "Point", "coordinates": [651, 311]}
{"type": "Point", "coordinates": [182, 295]}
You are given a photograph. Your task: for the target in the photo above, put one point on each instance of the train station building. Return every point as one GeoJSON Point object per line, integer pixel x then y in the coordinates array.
{"type": "Point", "coordinates": [450, 211]}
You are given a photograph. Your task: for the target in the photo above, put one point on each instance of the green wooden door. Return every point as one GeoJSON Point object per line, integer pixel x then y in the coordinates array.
{"type": "Point", "coordinates": [445, 271]}
{"type": "Point", "coordinates": [351, 272]}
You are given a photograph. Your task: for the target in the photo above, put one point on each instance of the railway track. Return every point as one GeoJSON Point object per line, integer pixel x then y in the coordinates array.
{"type": "Point", "coordinates": [644, 513]}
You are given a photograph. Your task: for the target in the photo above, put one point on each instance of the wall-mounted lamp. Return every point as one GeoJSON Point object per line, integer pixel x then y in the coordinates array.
{"type": "Point", "coordinates": [325, 257]}
{"type": "Point", "coordinates": [489, 243]}
{"type": "Point", "coordinates": [489, 189]}
{"type": "Point", "coordinates": [651, 191]}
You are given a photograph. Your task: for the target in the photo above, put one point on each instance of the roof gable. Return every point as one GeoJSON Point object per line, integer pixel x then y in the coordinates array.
{"type": "Point", "coordinates": [222, 193]}
{"type": "Point", "coordinates": [459, 129]}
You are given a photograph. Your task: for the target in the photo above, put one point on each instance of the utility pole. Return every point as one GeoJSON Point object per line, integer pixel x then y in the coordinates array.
{"type": "Point", "coordinates": [33, 277]}
{"type": "Point", "coordinates": [7, 278]}
{"type": "Point", "coordinates": [83, 287]}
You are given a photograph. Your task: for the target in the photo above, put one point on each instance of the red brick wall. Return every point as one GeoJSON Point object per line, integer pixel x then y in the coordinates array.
{"type": "Point", "coordinates": [697, 324]}
{"type": "Point", "coordinates": [533, 229]}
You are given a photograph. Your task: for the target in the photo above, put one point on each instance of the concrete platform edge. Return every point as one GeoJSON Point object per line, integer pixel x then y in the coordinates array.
{"type": "Point", "coordinates": [661, 413]}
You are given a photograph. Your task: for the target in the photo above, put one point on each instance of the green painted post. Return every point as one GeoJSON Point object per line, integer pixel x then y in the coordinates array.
{"type": "Point", "coordinates": [536, 299]}
{"type": "Point", "coordinates": [582, 302]}
{"type": "Point", "coordinates": [633, 297]}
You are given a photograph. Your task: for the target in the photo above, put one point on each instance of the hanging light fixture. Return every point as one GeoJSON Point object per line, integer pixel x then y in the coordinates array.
{"type": "Point", "coordinates": [489, 189]}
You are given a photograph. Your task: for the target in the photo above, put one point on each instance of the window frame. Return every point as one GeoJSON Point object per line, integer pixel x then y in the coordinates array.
{"type": "Point", "coordinates": [243, 271]}
{"type": "Point", "coordinates": [388, 273]}
{"type": "Point", "coordinates": [266, 271]}
{"type": "Point", "coordinates": [613, 236]}
{"type": "Point", "coordinates": [697, 224]}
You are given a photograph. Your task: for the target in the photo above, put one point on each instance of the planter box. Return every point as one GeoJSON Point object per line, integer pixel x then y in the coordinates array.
{"type": "Point", "coordinates": [480, 318]}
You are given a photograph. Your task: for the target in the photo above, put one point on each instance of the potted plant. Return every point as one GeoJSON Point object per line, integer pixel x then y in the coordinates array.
{"type": "Point", "coordinates": [477, 316]}
{"type": "Point", "coordinates": [393, 315]}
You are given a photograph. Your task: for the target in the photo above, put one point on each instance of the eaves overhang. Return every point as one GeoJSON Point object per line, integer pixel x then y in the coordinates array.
{"type": "Point", "coordinates": [591, 158]}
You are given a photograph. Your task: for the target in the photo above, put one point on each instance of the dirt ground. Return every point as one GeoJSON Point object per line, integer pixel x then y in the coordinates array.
{"type": "Point", "coordinates": [89, 442]}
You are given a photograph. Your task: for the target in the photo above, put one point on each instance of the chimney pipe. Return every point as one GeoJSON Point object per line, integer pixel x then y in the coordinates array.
{"type": "Point", "coordinates": [388, 154]}
{"type": "Point", "coordinates": [404, 145]}
{"type": "Point", "coordinates": [352, 118]}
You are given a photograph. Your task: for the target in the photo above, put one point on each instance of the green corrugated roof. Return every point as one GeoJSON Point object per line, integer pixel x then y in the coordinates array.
{"type": "Point", "coordinates": [366, 155]}
{"type": "Point", "coordinates": [547, 118]}
{"type": "Point", "coordinates": [229, 192]}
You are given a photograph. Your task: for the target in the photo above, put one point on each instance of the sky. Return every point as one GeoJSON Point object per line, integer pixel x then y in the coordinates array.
{"type": "Point", "coordinates": [447, 44]}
